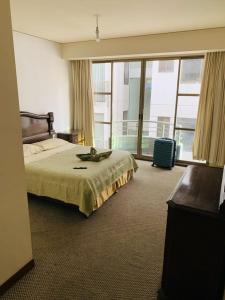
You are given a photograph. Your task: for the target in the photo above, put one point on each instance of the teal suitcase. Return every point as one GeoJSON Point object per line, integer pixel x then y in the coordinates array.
{"type": "Point", "coordinates": [164, 153]}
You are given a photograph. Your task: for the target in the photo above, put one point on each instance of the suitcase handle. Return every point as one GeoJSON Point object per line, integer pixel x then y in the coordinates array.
{"type": "Point", "coordinates": [174, 151]}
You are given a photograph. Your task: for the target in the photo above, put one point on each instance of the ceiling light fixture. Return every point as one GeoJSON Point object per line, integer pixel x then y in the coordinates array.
{"type": "Point", "coordinates": [97, 35]}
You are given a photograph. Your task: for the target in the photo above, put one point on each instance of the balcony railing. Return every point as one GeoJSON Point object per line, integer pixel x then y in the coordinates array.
{"type": "Point", "coordinates": [150, 128]}
{"type": "Point", "coordinates": [125, 136]}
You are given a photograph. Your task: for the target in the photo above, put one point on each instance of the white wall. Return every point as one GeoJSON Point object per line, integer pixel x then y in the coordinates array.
{"type": "Point", "coordinates": [15, 239]}
{"type": "Point", "coordinates": [44, 78]}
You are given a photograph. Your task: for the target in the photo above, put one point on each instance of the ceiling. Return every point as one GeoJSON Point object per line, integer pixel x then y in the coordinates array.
{"type": "Point", "coordinates": [73, 20]}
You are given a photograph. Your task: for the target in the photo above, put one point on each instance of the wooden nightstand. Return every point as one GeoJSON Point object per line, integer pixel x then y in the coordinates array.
{"type": "Point", "coordinates": [72, 136]}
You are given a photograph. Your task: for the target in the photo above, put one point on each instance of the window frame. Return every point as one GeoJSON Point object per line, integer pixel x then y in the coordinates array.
{"type": "Point", "coordinates": [141, 100]}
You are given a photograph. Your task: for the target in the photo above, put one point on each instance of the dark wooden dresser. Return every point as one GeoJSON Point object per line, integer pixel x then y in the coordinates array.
{"type": "Point", "coordinates": [194, 254]}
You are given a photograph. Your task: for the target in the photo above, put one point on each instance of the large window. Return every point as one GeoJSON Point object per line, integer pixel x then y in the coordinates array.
{"type": "Point", "coordinates": [139, 101]}
{"type": "Point", "coordinates": [189, 85]}
{"type": "Point", "coordinates": [102, 104]}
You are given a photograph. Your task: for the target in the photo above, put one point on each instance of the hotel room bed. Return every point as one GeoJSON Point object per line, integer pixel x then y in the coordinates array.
{"type": "Point", "coordinates": [50, 170]}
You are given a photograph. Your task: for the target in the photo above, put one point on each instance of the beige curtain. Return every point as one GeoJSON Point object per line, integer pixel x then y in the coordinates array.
{"type": "Point", "coordinates": [83, 99]}
{"type": "Point", "coordinates": [209, 140]}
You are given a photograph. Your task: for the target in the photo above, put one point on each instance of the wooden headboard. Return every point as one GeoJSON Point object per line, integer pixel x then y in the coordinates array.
{"type": "Point", "coordinates": [35, 127]}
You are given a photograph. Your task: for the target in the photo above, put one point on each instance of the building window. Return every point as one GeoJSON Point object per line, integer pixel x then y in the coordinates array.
{"type": "Point", "coordinates": [163, 127]}
{"type": "Point", "coordinates": [191, 71]}
{"type": "Point", "coordinates": [125, 117]}
{"type": "Point", "coordinates": [166, 66]}
{"type": "Point", "coordinates": [126, 73]}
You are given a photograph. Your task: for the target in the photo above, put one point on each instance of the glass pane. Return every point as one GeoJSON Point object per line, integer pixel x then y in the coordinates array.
{"type": "Point", "coordinates": [126, 97]}
{"type": "Point", "coordinates": [125, 135]}
{"type": "Point", "coordinates": [151, 131]}
{"type": "Point", "coordinates": [184, 140]}
{"type": "Point", "coordinates": [101, 77]}
{"type": "Point", "coordinates": [159, 102]}
{"type": "Point", "coordinates": [187, 110]}
{"type": "Point", "coordinates": [102, 136]}
{"type": "Point", "coordinates": [102, 108]}
{"type": "Point", "coordinates": [190, 76]}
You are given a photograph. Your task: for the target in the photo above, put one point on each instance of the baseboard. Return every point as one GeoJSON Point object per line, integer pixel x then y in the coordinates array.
{"type": "Point", "coordinates": [12, 280]}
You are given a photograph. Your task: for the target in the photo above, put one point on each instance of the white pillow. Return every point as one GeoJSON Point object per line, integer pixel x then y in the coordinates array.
{"type": "Point", "coordinates": [30, 149]}
{"type": "Point", "coordinates": [51, 143]}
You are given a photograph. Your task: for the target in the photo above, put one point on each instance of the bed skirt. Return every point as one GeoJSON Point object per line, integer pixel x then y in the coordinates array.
{"type": "Point", "coordinates": [111, 189]}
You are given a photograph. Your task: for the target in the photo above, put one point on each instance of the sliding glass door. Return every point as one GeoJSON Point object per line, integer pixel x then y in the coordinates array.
{"type": "Point", "coordinates": [140, 100]}
{"type": "Point", "coordinates": [159, 102]}
{"type": "Point", "coordinates": [125, 105]}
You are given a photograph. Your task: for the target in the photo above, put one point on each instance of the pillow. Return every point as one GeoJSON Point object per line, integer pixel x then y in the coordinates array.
{"type": "Point", "coordinates": [51, 143]}
{"type": "Point", "coordinates": [30, 149]}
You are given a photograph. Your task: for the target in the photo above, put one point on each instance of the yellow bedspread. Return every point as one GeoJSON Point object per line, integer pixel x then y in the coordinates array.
{"type": "Point", "coordinates": [54, 177]}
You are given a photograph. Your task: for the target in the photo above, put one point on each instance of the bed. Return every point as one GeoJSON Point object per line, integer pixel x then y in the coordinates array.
{"type": "Point", "coordinates": [50, 163]}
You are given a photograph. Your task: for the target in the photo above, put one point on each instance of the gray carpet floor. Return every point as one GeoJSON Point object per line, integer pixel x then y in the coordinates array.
{"type": "Point", "coordinates": [117, 253]}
